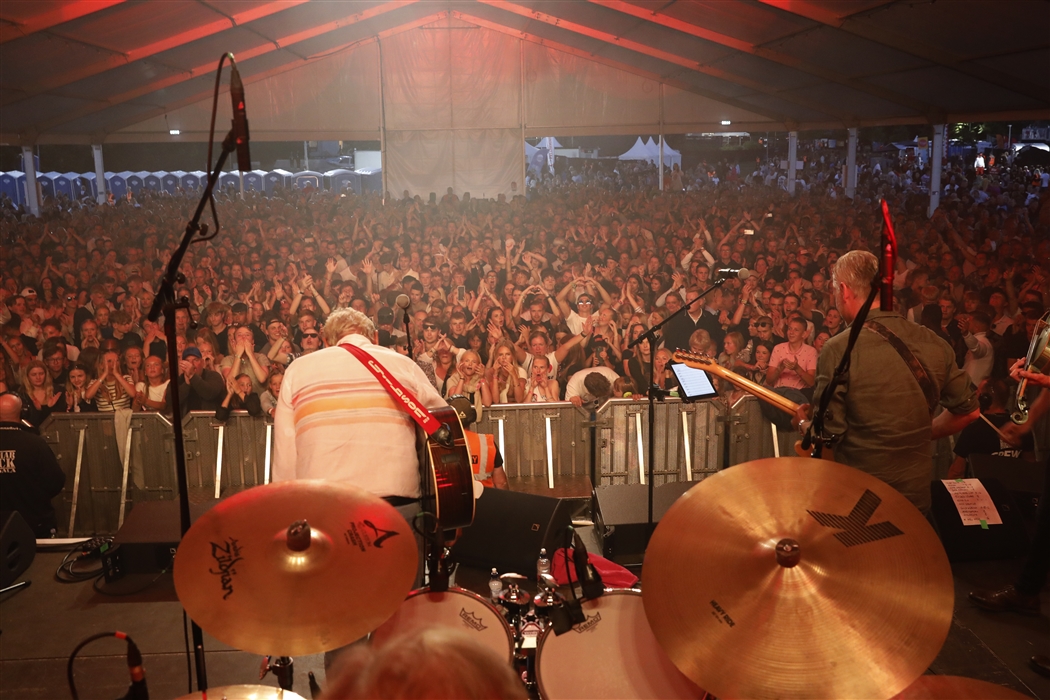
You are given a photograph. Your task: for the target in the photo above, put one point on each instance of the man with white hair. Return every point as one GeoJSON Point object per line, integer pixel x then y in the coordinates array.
{"type": "Point", "coordinates": [335, 421]}
{"type": "Point", "coordinates": [881, 410]}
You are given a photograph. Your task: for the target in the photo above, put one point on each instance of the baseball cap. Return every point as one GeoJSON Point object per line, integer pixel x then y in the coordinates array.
{"type": "Point", "coordinates": [191, 351]}
{"type": "Point", "coordinates": [28, 292]}
{"type": "Point", "coordinates": [385, 315]}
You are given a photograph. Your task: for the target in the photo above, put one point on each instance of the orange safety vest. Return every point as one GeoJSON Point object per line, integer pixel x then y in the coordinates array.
{"type": "Point", "coordinates": [482, 455]}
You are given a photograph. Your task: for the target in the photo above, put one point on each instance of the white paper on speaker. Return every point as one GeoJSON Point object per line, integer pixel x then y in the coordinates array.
{"type": "Point", "coordinates": [973, 502]}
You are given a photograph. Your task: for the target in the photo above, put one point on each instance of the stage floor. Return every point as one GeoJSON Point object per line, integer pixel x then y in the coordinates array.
{"type": "Point", "coordinates": [42, 623]}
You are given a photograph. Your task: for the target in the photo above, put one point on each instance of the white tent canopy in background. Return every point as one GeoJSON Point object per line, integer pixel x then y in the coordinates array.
{"type": "Point", "coordinates": [637, 152]}
{"type": "Point", "coordinates": [671, 156]}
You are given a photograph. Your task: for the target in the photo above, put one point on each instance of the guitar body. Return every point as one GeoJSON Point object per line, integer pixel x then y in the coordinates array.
{"type": "Point", "coordinates": [447, 474]}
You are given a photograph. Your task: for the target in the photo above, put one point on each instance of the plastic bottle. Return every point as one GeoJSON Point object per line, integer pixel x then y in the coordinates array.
{"type": "Point", "coordinates": [495, 586]}
{"type": "Point", "coordinates": [543, 564]}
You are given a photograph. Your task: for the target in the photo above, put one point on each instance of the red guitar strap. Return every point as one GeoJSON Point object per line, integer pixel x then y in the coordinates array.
{"type": "Point", "coordinates": [402, 396]}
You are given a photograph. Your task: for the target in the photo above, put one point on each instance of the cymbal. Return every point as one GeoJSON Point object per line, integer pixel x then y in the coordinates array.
{"type": "Point", "coordinates": [797, 577]}
{"type": "Point", "coordinates": [243, 692]}
{"type": "Point", "coordinates": [257, 584]}
{"type": "Point", "coordinates": [957, 688]}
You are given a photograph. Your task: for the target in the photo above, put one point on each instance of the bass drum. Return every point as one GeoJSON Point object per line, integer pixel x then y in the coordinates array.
{"type": "Point", "coordinates": [613, 654]}
{"type": "Point", "coordinates": [456, 608]}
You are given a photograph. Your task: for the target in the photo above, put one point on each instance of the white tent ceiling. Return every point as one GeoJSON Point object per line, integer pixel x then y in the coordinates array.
{"type": "Point", "coordinates": [96, 71]}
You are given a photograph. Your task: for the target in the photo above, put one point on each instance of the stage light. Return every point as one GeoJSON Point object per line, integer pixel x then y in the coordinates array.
{"type": "Point", "coordinates": [174, 132]}
{"type": "Point", "coordinates": [726, 122]}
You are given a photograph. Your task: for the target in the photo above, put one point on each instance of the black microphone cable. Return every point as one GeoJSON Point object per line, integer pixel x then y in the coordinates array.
{"type": "Point", "coordinates": [137, 690]}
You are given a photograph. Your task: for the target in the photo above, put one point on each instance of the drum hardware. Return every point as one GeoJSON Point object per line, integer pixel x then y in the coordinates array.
{"type": "Point", "coordinates": [547, 597]}
{"type": "Point", "coordinates": [767, 571]}
{"type": "Point", "coordinates": [268, 570]}
{"type": "Point", "coordinates": [283, 668]}
{"type": "Point", "coordinates": [1037, 360]}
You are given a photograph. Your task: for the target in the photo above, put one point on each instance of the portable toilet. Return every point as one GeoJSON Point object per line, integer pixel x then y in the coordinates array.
{"type": "Point", "coordinates": [79, 184]}
{"type": "Point", "coordinates": [253, 180]}
{"type": "Point", "coordinates": [308, 178]}
{"type": "Point", "coordinates": [12, 184]}
{"type": "Point", "coordinates": [64, 185]}
{"type": "Point", "coordinates": [171, 182]}
{"type": "Point", "coordinates": [192, 181]}
{"type": "Point", "coordinates": [118, 184]}
{"type": "Point", "coordinates": [135, 181]}
{"type": "Point", "coordinates": [371, 180]}
{"type": "Point", "coordinates": [92, 186]}
{"type": "Point", "coordinates": [46, 182]}
{"type": "Point", "coordinates": [339, 179]}
{"type": "Point", "coordinates": [153, 181]}
{"type": "Point", "coordinates": [230, 179]}
{"type": "Point", "coordinates": [275, 178]}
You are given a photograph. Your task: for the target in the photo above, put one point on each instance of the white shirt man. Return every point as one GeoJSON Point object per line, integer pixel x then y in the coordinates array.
{"type": "Point", "coordinates": [574, 388]}
{"type": "Point", "coordinates": [335, 421]}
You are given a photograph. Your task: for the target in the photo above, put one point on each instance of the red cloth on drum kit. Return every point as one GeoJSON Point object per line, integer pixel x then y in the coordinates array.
{"type": "Point", "coordinates": [613, 575]}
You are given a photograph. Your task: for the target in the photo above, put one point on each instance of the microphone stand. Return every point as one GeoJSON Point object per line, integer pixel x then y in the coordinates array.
{"type": "Point", "coordinates": [165, 301]}
{"type": "Point", "coordinates": [408, 333]}
{"type": "Point", "coordinates": [655, 390]}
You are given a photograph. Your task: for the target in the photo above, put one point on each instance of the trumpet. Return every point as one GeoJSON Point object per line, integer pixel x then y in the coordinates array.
{"type": "Point", "coordinates": [1037, 360]}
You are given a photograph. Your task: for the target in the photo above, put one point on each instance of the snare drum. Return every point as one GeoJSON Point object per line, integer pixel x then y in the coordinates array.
{"type": "Point", "coordinates": [613, 654]}
{"type": "Point", "coordinates": [456, 608]}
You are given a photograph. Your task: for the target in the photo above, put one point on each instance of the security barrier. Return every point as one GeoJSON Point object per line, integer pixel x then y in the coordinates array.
{"type": "Point", "coordinates": [222, 459]}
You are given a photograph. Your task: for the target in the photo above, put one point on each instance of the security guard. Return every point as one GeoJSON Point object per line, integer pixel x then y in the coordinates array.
{"type": "Point", "coordinates": [485, 459]}
{"type": "Point", "coordinates": [29, 473]}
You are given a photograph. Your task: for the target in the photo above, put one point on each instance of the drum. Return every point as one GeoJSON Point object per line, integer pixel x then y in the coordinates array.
{"type": "Point", "coordinates": [457, 608]}
{"type": "Point", "coordinates": [613, 654]}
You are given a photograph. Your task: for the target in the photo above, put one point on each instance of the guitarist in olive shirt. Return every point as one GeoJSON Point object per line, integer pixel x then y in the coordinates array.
{"type": "Point", "coordinates": [881, 411]}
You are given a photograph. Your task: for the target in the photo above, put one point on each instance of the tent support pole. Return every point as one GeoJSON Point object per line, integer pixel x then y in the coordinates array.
{"type": "Point", "coordinates": [32, 198]}
{"type": "Point", "coordinates": [792, 156]}
{"type": "Point", "coordinates": [100, 172]}
{"type": "Point", "coordinates": [851, 163]}
{"type": "Point", "coordinates": [935, 168]}
{"type": "Point", "coordinates": [524, 160]}
{"type": "Point", "coordinates": [382, 126]}
{"type": "Point", "coordinates": [661, 158]}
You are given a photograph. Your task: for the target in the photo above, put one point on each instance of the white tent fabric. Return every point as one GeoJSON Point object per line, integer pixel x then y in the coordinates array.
{"type": "Point", "coordinates": [637, 152]}
{"type": "Point", "coordinates": [671, 156]}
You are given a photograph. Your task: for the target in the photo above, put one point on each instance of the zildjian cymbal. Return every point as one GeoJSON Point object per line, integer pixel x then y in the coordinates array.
{"type": "Point", "coordinates": [797, 577]}
{"type": "Point", "coordinates": [296, 567]}
{"type": "Point", "coordinates": [956, 688]}
{"type": "Point", "coordinates": [243, 692]}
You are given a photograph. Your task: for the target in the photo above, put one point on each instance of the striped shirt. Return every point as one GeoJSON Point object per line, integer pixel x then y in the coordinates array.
{"type": "Point", "coordinates": [335, 421]}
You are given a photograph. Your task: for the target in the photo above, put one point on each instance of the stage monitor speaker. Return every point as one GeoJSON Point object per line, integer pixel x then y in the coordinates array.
{"type": "Point", "coordinates": [972, 542]}
{"type": "Point", "coordinates": [1023, 479]}
{"type": "Point", "coordinates": [147, 541]}
{"type": "Point", "coordinates": [17, 546]}
{"type": "Point", "coordinates": [624, 510]}
{"type": "Point", "coordinates": [510, 528]}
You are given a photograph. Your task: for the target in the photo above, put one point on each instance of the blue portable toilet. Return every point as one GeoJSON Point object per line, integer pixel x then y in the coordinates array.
{"type": "Point", "coordinates": [90, 179]}
{"type": "Point", "coordinates": [46, 182]}
{"type": "Point", "coordinates": [191, 182]}
{"type": "Point", "coordinates": [308, 178]}
{"type": "Point", "coordinates": [118, 184]}
{"type": "Point", "coordinates": [64, 185]}
{"type": "Point", "coordinates": [171, 182]}
{"type": "Point", "coordinates": [136, 182]}
{"type": "Point", "coordinates": [230, 179]}
{"type": "Point", "coordinates": [253, 180]}
{"type": "Point", "coordinates": [81, 186]}
{"type": "Point", "coordinates": [152, 181]}
{"type": "Point", "coordinates": [275, 178]}
{"type": "Point", "coordinates": [371, 180]}
{"type": "Point", "coordinates": [12, 184]}
{"type": "Point", "coordinates": [337, 180]}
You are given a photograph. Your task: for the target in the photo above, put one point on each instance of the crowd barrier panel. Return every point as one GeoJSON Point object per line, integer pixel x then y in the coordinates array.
{"type": "Point", "coordinates": [550, 441]}
{"type": "Point", "coordinates": [103, 479]}
{"type": "Point", "coordinates": [222, 459]}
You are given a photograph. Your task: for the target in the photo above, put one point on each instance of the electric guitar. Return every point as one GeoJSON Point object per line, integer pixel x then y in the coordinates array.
{"type": "Point", "coordinates": [708, 364]}
{"type": "Point", "coordinates": [446, 468]}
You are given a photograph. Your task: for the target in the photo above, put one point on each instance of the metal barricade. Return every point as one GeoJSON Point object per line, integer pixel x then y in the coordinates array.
{"type": "Point", "coordinates": [751, 434]}
{"type": "Point", "coordinates": [222, 459]}
{"type": "Point", "coordinates": [687, 441]}
{"type": "Point", "coordinates": [100, 485]}
{"type": "Point", "coordinates": [539, 440]}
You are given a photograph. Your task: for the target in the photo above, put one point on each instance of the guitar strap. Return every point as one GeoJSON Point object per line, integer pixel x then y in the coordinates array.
{"type": "Point", "coordinates": [917, 370]}
{"type": "Point", "coordinates": [402, 396]}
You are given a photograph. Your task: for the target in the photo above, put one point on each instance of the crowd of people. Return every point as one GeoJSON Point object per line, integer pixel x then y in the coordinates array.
{"type": "Point", "coordinates": [530, 300]}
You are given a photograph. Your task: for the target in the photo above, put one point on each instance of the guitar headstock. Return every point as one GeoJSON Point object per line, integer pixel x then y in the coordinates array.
{"type": "Point", "coordinates": [694, 358]}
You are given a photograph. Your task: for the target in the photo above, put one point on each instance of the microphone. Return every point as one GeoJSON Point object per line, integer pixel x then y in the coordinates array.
{"type": "Point", "coordinates": [741, 273]}
{"type": "Point", "coordinates": [240, 120]}
{"type": "Point", "coordinates": [402, 301]}
{"type": "Point", "coordinates": [589, 578]}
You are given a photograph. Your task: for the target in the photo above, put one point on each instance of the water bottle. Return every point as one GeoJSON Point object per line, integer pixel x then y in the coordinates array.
{"type": "Point", "coordinates": [495, 586]}
{"type": "Point", "coordinates": [543, 565]}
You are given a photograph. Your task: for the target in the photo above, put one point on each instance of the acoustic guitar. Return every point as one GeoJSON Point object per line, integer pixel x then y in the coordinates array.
{"type": "Point", "coordinates": [708, 364]}
{"type": "Point", "coordinates": [446, 465]}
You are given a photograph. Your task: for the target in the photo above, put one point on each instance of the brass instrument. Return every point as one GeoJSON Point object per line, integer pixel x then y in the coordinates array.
{"type": "Point", "coordinates": [1038, 360]}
